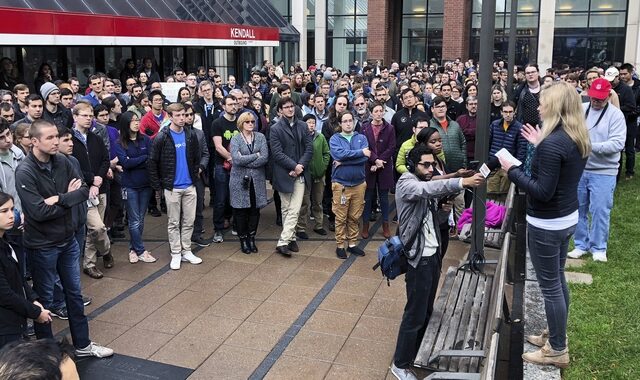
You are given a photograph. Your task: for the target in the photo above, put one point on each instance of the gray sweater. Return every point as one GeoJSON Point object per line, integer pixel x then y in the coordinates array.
{"type": "Point", "coordinates": [412, 201]}
{"type": "Point", "coordinates": [607, 139]}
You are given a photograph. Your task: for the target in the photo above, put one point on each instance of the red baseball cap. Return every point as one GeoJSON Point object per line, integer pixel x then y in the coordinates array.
{"type": "Point", "coordinates": [599, 89]}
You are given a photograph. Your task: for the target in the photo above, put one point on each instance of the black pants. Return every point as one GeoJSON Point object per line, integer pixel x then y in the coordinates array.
{"type": "Point", "coordinates": [422, 283]}
{"type": "Point", "coordinates": [197, 222]}
{"type": "Point", "coordinates": [6, 339]}
{"type": "Point", "coordinates": [629, 152]}
{"type": "Point", "coordinates": [246, 219]}
{"type": "Point", "coordinates": [278, 203]}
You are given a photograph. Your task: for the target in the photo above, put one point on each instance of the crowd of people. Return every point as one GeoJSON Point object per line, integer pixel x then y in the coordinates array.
{"type": "Point", "coordinates": [332, 146]}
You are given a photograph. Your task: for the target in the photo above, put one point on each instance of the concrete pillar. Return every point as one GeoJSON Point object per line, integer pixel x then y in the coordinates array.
{"type": "Point", "coordinates": [632, 44]}
{"type": "Point", "coordinates": [545, 34]}
{"type": "Point", "coordinates": [267, 53]}
{"type": "Point", "coordinates": [299, 21]}
{"type": "Point", "coordinates": [321, 32]}
{"type": "Point", "coordinates": [457, 28]}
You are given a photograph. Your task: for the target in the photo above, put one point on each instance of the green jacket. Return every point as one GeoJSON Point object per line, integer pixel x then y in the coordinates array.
{"type": "Point", "coordinates": [321, 156]}
{"type": "Point", "coordinates": [454, 145]}
{"type": "Point", "coordinates": [405, 148]}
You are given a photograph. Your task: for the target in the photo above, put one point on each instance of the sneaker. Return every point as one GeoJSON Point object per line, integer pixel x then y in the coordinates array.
{"type": "Point", "coordinates": [146, 257]}
{"type": "Point", "coordinates": [94, 349]}
{"type": "Point", "coordinates": [217, 237]}
{"type": "Point", "coordinates": [190, 257]}
{"type": "Point", "coordinates": [133, 257]}
{"type": "Point", "coordinates": [283, 250]}
{"type": "Point", "coordinates": [548, 356]}
{"type": "Point", "coordinates": [234, 232]}
{"type": "Point", "coordinates": [60, 313]}
{"type": "Point", "coordinates": [302, 235]}
{"type": "Point", "coordinates": [29, 331]}
{"type": "Point", "coordinates": [576, 253]}
{"type": "Point", "coordinates": [600, 256]}
{"type": "Point", "coordinates": [293, 246]}
{"type": "Point", "coordinates": [355, 250]}
{"type": "Point", "coordinates": [176, 258]}
{"type": "Point", "coordinates": [154, 212]}
{"type": "Point", "coordinates": [202, 242]}
{"type": "Point", "coordinates": [341, 253]}
{"type": "Point", "coordinates": [320, 231]}
{"type": "Point", "coordinates": [86, 300]}
{"type": "Point", "coordinates": [402, 374]}
{"type": "Point", "coordinates": [107, 260]}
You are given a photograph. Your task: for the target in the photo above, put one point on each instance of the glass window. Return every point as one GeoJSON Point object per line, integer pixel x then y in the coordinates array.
{"type": "Point", "coordinates": [195, 58]}
{"type": "Point", "coordinates": [414, 6]}
{"type": "Point", "coordinates": [607, 20]}
{"type": "Point", "coordinates": [415, 26]}
{"type": "Point", "coordinates": [608, 5]}
{"type": "Point", "coordinates": [572, 20]}
{"type": "Point", "coordinates": [114, 59]}
{"type": "Point", "coordinates": [33, 57]}
{"type": "Point", "coordinates": [572, 5]}
{"type": "Point", "coordinates": [173, 58]}
{"type": "Point", "coordinates": [436, 6]}
{"type": "Point", "coordinates": [80, 63]}
{"type": "Point", "coordinates": [311, 7]}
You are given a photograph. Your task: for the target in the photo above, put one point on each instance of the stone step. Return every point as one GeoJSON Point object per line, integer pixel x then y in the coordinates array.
{"type": "Point", "coordinates": [578, 278]}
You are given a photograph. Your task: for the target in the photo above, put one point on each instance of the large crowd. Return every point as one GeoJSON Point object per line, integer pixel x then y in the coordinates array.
{"type": "Point", "coordinates": [81, 166]}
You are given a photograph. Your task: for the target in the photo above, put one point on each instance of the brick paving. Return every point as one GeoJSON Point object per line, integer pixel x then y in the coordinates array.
{"type": "Point", "coordinates": [222, 318]}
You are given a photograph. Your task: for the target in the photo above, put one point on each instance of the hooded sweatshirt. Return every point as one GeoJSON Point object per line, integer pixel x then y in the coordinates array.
{"type": "Point", "coordinates": [8, 165]}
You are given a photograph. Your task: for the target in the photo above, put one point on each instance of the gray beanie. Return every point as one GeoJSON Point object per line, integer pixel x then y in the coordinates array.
{"type": "Point", "coordinates": [46, 89]}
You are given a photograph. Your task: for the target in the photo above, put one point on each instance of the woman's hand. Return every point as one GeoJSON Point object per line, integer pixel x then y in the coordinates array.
{"type": "Point", "coordinates": [506, 165]}
{"type": "Point", "coordinates": [531, 133]}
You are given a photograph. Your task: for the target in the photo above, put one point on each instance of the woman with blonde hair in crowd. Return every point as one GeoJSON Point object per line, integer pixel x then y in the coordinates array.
{"type": "Point", "coordinates": [498, 96]}
{"type": "Point", "coordinates": [247, 182]}
{"type": "Point", "coordinates": [561, 150]}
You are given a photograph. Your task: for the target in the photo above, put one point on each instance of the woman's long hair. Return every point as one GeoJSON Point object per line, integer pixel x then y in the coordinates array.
{"type": "Point", "coordinates": [563, 106]}
{"type": "Point", "coordinates": [124, 125]}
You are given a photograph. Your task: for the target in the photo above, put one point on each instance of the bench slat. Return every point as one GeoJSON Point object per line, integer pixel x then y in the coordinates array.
{"type": "Point", "coordinates": [450, 324]}
{"type": "Point", "coordinates": [459, 334]}
{"type": "Point", "coordinates": [471, 341]}
{"type": "Point", "coordinates": [482, 322]}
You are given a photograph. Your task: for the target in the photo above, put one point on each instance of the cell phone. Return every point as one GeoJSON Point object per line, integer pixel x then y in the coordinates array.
{"type": "Point", "coordinates": [473, 165]}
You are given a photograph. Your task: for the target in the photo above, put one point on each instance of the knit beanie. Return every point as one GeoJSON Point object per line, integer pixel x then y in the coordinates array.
{"type": "Point", "coordinates": [46, 89]}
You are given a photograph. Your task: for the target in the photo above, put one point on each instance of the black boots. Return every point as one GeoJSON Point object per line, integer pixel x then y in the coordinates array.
{"type": "Point", "coordinates": [252, 242]}
{"type": "Point", "coordinates": [244, 244]}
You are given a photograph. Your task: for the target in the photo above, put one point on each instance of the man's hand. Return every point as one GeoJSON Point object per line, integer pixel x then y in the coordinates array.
{"type": "Point", "coordinates": [51, 200]}
{"type": "Point", "coordinates": [464, 173]}
{"type": "Point", "coordinates": [366, 152]}
{"type": "Point", "coordinates": [38, 304]}
{"type": "Point", "coordinates": [380, 164]}
{"type": "Point", "coordinates": [299, 169]}
{"type": "Point", "coordinates": [94, 191]}
{"type": "Point", "coordinates": [119, 169]}
{"type": "Point", "coordinates": [473, 181]}
{"type": "Point", "coordinates": [292, 173]}
{"type": "Point", "coordinates": [446, 206]}
{"type": "Point", "coordinates": [97, 181]}
{"type": "Point", "coordinates": [44, 317]}
{"type": "Point", "coordinates": [336, 163]}
{"type": "Point", "coordinates": [74, 185]}
{"type": "Point", "coordinates": [110, 173]}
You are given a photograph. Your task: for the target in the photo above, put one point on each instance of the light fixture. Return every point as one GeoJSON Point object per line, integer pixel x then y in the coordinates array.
{"type": "Point", "coordinates": [526, 8]}
{"type": "Point", "coordinates": [419, 10]}
{"type": "Point", "coordinates": [566, 7]}
{"type": "Point", "coordinates": [605, 6]}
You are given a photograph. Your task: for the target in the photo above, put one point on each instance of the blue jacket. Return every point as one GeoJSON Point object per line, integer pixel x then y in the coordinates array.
{"type": "Point", "coordinates": [351, 171]}
{"type": "Point", "coordinates": [133, 159]}
{"type": "Point", "coordinates": [511, 140]}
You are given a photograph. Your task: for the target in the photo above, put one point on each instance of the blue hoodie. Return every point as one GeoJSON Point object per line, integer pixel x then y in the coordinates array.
{"type": "Point", "coordinates": [351, 171]}
{"type": "Point", "coordinates": [135, 174]}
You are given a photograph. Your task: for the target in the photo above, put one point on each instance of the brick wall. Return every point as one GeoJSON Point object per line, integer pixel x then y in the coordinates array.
{"type": "Point", "coordinates": [457, 28]}
{"type": "Point", "coordinates": [379, 36]}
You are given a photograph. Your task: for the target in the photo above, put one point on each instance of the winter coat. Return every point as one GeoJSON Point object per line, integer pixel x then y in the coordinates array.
{"type": "Point", "coordinates": [252, 165]}
{"type": "Point", "coordinates": [454, 145]}
{"type": "Point", "coordinates": [287, 151]}
{"type": "Point", "coordinates": [162, 159]}
{"type": "Point", "coordinates": [133, 160]}
{"type": "Point", "coordinates": [350, 172]}
{"type": "Point", "coordinates": [383, 148]}
{"type": "Point", "coordinates": [321, 156]}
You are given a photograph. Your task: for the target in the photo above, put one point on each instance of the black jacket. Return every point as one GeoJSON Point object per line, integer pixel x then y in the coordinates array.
{"type": "Point", "coordinates": [288, 149]}
{"type": "Point", "coordinates": [45, 225]}
{"type": "Point", "coordinates": [62, 118]}
{"type": "Point", "coordinates": [627, 102]}
{"type": "Point", "coordinates": [162, 159]}
{"type": "Point", "coordinates": [556, 169]}
{"type": "Point", "coordinates": [16, 296]}
{"type": "Point", "coordinates": [93, 158]}
{"type": "Point", "coordinates": [207, 119]}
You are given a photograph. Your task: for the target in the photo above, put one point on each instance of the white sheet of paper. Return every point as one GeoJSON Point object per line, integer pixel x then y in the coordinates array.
{"type": "Point", "coordinates": [484, 170]}
{"type": "Point", "coordinates": [506, 155]}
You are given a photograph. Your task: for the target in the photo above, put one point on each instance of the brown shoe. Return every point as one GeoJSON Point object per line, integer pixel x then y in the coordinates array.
{"type": "Point", "coordinates": [365, 230]}
{"type": "Point", "coordinates": [107, 261]}
{"type": "Point", "coordinates": [385, 230]}
{"type": "Point", "coordinates": [548, 356]}
{"type": "Point", "coordinates": [93, 272]}
{"type": "Point", "coordinates": [542, 339]}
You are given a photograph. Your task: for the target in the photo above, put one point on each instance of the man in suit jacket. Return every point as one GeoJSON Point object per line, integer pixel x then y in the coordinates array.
{"type": "Point", "coordinates": [291, 151]}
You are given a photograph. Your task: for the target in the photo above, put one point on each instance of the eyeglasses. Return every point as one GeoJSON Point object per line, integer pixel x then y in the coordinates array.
{"type": "Point", "coordinates": [359, 104]}
{"type": "Point", "coordinates": [250, 121]}
{"type": "Point", "coordinates": [188, 114]}
{"type": "Point", "coordinates": [427, 164]}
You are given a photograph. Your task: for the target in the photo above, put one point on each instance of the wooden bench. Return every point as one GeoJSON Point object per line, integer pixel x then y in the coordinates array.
{"type": "Point", "coordinates": [462, 337]}
{"type": "Point", "coordinates": [493, 237]}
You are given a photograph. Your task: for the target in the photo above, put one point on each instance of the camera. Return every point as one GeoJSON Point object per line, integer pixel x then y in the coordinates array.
{"type": "Point", "coordinates": [246, 181]}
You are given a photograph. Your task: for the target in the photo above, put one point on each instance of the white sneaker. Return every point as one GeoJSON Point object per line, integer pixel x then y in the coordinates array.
{"type": "Point", "coordinates": [175, 261]}
{"type": "Point", "coordinates": [190, 257]}
{"type": "Point", "coordinates": [94, 349]}
{"type": "Point", "coordinates": [600, 256]}
{"type": "Point", "coordinates": [402, 374]}
{"type": "Point", "coordinates": [576, 253]}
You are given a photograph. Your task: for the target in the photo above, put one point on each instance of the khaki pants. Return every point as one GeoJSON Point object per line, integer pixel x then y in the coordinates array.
{"type": "Point", "coordinates": [180, 201]}
{"type": "Point", "coordinates": [97, 238]}
{"type": "Point", "coordinates": [312, 196]}
{"type": "Point", "coordinates": [291, 203]}
{"type": "Point", "coordinates": [348, 214]}
{"type": "Point", "coordinates": [498, 182]}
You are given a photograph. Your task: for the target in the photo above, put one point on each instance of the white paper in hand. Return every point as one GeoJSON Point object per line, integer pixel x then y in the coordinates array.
{"type": "Point", "coordinates": [506, 155]}
{"type": "Point", "coordinates": [484, 170]}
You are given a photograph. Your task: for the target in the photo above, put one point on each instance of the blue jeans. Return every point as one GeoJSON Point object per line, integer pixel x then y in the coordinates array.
{"type": "Point", "coordinates": [369, 198]}
{"type": "Point", "coordinates": [221, 207]}
{"type": "Point", "coordinates": [137, 202]}
{"type": "Point", "coordinates": [47, 264]}
{"type": "Point", "coordinates": [548, 250]}
{"type": "Point", "coordinates": [595, 197]}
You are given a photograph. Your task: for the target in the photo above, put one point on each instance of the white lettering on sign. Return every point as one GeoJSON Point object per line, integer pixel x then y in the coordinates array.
{"type": "Point", "coordinates": [243, 33]}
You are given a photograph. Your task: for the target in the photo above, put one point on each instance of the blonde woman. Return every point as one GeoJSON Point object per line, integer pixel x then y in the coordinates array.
{"type": "Point", "coordinates": [561, 151]}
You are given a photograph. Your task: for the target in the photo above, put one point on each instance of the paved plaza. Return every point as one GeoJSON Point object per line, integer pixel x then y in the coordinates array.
{"type": "Point", "coordinates": [312, 316]}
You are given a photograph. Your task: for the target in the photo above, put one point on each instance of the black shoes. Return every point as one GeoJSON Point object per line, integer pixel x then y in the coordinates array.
{"type": "Point", "coordinates": [320, 231]}
{"type": "Point", "coordinates": [244, 245]}
{"type": "Point", "coordinates": [115, 234]}
{"type": "Point", "coordinates": [107, 260]}
{"type": "Point", "coordinates": [355, 250]}
{"type": "Point", "coordinates": [252, 243]}
{"type": "Point", "coordinates": [279, 220]}
{"type": "Point", "coordinates": [200, 241]}
{"type": "Point", "coordinates": [341, 253]}
{"type": "Point", "coordinates": [283, 250]}
{"type": "Point", "coordinates": [154, 211]}
{"type": "Point", "coordinates": [302, 235]}
{"type": "Point", "coordinates": [293, 246]}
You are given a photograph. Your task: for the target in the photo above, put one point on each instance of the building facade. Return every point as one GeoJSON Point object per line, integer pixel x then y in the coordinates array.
{"type": "Point", "coordinates": [549, 32]}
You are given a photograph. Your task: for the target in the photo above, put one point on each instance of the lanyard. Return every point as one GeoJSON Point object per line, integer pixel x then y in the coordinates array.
{"type": "Point", "coordinates": [586, 114]}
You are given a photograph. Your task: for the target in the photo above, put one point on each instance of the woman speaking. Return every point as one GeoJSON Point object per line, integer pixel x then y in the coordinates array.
{"type": "Point", "coordinates": [561, 152]}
